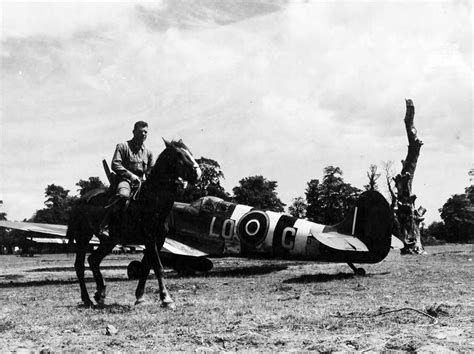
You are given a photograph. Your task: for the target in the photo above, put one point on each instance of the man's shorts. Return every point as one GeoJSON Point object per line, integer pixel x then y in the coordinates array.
{"type": "Point", "coordinates": [124, 188]}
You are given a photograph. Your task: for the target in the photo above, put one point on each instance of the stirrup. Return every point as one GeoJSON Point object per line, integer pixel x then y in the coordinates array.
{"type": "Point", "coordinates": [104, 231]}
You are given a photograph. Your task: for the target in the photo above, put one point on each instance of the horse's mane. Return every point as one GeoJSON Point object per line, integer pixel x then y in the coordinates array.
{"type": "Point", "coordinates": [164, 155]}
{"type": "Point", "coordinates": [178, 144]}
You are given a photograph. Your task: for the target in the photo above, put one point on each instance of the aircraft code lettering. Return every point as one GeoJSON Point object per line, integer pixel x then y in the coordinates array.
{"type": "Point", "coordinates": [284, 235]}
{"type": "Point", "coordinates": [227, 230]}
{"type": "Point", "coordinates": [288, 238]}
{"type": "Point", "coordinates": [211, 228]}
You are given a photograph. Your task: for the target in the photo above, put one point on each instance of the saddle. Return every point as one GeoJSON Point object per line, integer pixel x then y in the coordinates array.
{"type": "Point", "coordinates": [114, 181]}
{"type": "Point", "coordinates": [114, 204]}
{"type": "Point", "coordinates": [111, 191]}
{"type": "Point", "coordinates": [107, 191]}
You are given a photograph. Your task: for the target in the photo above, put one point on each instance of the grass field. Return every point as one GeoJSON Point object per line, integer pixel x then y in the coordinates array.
{"type": "Point", "coordinates": [246, 305]}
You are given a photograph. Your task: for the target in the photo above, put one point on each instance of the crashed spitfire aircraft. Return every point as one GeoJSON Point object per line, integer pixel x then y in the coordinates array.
{"type": "Point", "coordinates": [220, 228]}
{"type": "Point", "coordinates": [213, 227]}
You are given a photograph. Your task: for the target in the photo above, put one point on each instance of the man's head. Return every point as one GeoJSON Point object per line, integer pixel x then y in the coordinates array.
{"type": "Point", "coordinates": [140, 131]}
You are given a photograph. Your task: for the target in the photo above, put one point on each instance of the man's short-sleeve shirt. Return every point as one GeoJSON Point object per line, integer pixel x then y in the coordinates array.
{"type": "Point", "coordinates": [130, 158]}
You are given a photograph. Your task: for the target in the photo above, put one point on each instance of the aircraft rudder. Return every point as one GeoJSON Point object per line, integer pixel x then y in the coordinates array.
{"type": "Point", "coordinates": [373, 225]}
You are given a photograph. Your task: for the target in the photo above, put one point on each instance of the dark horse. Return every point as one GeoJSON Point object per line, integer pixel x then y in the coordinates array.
{"type": "Point", "coordinates": [144, 222]}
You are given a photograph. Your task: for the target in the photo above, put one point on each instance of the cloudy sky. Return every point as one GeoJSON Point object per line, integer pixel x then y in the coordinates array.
{"type": "Point", "coordinates": [274, 88]}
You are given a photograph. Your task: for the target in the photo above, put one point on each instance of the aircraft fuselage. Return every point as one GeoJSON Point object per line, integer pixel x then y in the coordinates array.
{"type": "Point", "coordinates": [221, 228]}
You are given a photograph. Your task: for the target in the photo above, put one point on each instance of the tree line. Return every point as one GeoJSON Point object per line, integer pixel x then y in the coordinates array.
{"type": "Point", "coordinates": [326, 201]}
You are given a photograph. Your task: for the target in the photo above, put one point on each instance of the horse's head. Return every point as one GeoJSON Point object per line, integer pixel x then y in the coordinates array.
{"type": "Point", "coordinates": [181, 162]}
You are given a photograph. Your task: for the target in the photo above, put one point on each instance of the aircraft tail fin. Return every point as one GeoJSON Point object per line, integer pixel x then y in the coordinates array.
{"type": "Point", "coordinates": [371, 222]}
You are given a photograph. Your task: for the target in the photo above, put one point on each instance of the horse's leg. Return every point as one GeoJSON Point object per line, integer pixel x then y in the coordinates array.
{"type": "Point", "coordinates": [166, 300]}
{"type": "Point", "coordinates": [140, 291]}
{"type": "Point", "coordinates": [94, 260]}
{"type": "Point", "coordinates": [151, 259]}
{"type": "Point", "coordinates": [80, 268]}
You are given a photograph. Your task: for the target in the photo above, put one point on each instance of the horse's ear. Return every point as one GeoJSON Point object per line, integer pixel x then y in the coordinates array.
{"type": "Point", "coordinates": [180, 141]}
{"type": "Point", "coordinates": [167, 143]}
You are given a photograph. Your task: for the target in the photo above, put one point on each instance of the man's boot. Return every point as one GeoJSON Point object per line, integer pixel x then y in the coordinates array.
{"type": "Point", "coordinates": [111, 208]}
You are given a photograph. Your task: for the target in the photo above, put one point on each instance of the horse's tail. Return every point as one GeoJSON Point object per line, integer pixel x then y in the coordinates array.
{"type": "Point", "coordinates": [72, 225]}
{"type": "Point", "coordinates": [82, 216]}
{"type": "Point", "coordinates": [71, 233]}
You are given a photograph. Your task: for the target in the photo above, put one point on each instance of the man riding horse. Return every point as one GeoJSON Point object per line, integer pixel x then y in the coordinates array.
{"type": "Point", "coordinates": [132, 162]}
{"type": "Point", "coordinates": [143, 222]}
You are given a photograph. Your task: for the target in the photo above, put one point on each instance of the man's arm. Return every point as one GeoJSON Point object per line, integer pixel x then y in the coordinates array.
{"type": "Point", "coordinates": [117, 163]}
{"type": "Point", "coordinates": [150, 163]}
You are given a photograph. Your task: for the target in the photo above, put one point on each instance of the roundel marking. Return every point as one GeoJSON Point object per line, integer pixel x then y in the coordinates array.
{"type": "Point", "coordinates": [252, 228]}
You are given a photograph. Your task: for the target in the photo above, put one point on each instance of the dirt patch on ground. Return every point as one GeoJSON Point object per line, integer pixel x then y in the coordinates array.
{"type": "Point", "coordinates": [246, 305]}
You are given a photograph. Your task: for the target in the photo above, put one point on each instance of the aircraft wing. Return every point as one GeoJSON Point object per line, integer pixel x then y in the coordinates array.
{"type": "Point", "coordinates": [173, 246]}
{"type": "Point", "coordinates": [56, 240]}
{"type": "Point", "coordinates": [59, 240]}
{"type": "Point", "coordinates": [170, 246]}
{"type": "Point", "coordinates": [396, 243]}
{"type": "Point", "coordinates": [341, 242]}
{"type": "Point", "coordinates": [50, 229]}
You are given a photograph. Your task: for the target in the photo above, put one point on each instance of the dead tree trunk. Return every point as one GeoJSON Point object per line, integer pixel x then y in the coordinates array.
{"type": "Point", "coordinates": [408, 217]}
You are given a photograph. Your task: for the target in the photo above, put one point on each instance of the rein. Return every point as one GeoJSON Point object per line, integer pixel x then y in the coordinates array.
{"type": "Point", "coordinates": [157, 186]}
{"type": "Point", "coordinates": [136, 193]}
{"type": "Point", "coordinates": [163, 181]}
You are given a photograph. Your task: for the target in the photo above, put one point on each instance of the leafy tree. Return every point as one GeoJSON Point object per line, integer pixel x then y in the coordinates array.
{"type": "Point", "coordinates": [314, 207]}
{"type": "Point", "coordinates": [458, 216]}
{"type": "Point", "coordinates": [298, 208]}
{"type": "Point", "coordinates": [373, 176]}
{"type": "Point", "coordinates": [55, 195]}
{"type": "Point", "coordinates": [58, 203]}
{"type": "Point", "coordinates": [3, 215]}
{"type": "Point", "coordinates": [209, 184]}
{"type": "Point", "coordinates": [3, 232]}
{"type": "Point", "coordinates": [470, 193]}
{"type": "Point", "coordinates": [258, 192]}
{"type": "Point", "coordinates": [88, 185]}
{"type": "Point", "coordinates": [329, 201]}
{"type": "Point", "coordinates": [436, 229]}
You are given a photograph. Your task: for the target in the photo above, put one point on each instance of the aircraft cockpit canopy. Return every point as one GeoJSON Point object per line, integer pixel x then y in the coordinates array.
{"type": "Point", "coordinates": [211, 205]}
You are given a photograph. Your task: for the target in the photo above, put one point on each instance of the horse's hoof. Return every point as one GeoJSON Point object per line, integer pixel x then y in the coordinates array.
{"type": "Point", "coordinates": [88, 304]}
{"type": "Point", "coordinates": [140, 301]}
{"type": "Point", "coordinates": [99, 299]}
{"type": "Point", "coordinates": [169, 304]}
